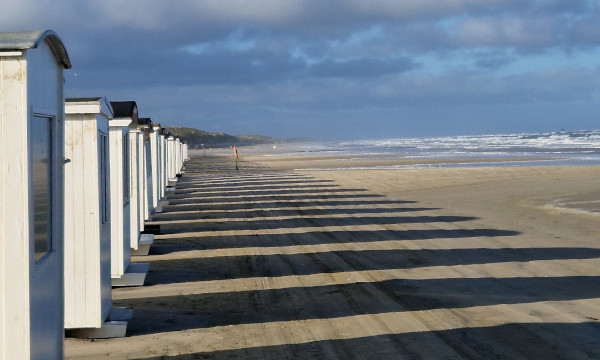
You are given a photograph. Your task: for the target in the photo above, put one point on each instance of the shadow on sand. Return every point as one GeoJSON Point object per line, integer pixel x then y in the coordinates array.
{"type": "Point", "coordinates": [154, 315]}
{"type": "Point", "coordinates": [417, 345]}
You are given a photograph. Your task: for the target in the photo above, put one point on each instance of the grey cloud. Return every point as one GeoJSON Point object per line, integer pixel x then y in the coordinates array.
{"type": "Point", "coordinates": [364, 67]}
{"type": "Point", "coordinates": [497, 23]}
{"type": "Point", "coordinates": [557, 7]}
{"type": "Point", "coordinates": [507, 32]}
{"type": "Point", "coordinates": [493, 60]}
{"type": "Point", "coordinates": [585, 32]}
{"type": "Point", "coordinates": [188, 69]}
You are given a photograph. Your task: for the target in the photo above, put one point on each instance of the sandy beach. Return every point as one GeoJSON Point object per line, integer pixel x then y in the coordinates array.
{"type": "Point", "coordinates": [272, 262]}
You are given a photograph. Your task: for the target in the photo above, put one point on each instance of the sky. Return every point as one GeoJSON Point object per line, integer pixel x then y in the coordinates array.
{"type": "Point", "coordinates": [333, 69]}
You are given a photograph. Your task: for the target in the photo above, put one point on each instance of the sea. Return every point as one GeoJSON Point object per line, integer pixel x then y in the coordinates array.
{"type": "Point", "coordinates": [561, 148]}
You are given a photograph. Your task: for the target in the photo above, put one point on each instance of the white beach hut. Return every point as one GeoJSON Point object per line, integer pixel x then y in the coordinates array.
{"type": "Point", "coordinates": [181, 158]}
{"type": "Point", "coordinates": [146, 181]}
{"type": "Point", "coordinates": [172, 160]}
{"type": "Point", "coordinates": [87, 242]}
{"type": "Point", "coordinates": [124, 200]}
{"type": "Point", "coordinates": [162, 146]}
{"type": "Point", "coordinates": [166, 164]}
{"type": "Point", "coordinates": [186, 155]}
{"type": "Point", "coordinates": [140, 242]}
{"type": "Point", "coordinates": [119, 186]}
{"type": "Point", "coordinates": [156, 165]}
{"type": "Point", "coordinates": [178, 158]}
{"type": "Point", "coordinates": [164, 167]}
{"type": "Point", "coordinates": [31, 197]}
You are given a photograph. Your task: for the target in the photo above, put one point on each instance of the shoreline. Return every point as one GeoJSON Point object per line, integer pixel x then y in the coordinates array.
{"type": "Point", "coordinates": [290, 160]}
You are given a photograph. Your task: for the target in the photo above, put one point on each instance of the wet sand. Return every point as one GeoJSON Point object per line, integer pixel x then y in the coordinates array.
{"type": "Point", "coordinates": [270, 263]}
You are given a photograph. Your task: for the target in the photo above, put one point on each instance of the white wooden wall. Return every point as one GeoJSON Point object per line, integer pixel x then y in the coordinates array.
{"type": "Point", "coordinates": [119, 203]}
{"type": "Point", "coordinates": [134, 200]}
{"type": "Point", "coordinates": [178, 157]}
{"type": "Point", "coordinates": [146, 171]}
{"type": "Point", "coordinates": [165, 164]}
{"type": "Point", "coordinates": [45, 92]}
{"type": "Point", "coordinates": [14, 210]}
{"type": "Point", "coordinates": [171, 158]}
{"type": "Point", "coordinates": [149, 185]}
{"type": "Point", "coordinates": [154, 160]}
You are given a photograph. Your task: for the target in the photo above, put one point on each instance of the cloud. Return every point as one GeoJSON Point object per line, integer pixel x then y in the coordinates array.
{"type": "Point", "coordinates": [235, 42]}
{"type": "Point", "coordinates": [364, 67]}
{"type": "Point", "coordinates": [585, 32]}
{"type": "Point", "coordinates": [422, 9]}
{"type": "Point", "coordinates": [495, 60]}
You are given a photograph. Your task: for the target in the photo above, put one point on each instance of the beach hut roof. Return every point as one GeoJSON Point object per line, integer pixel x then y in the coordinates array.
{"type": "Point", "coordinates": [83, 99]}
{"type": "Point", "coordinates": [145, 121]}
{"type": "Point", "coordinates": [145, 124]}
{"type": "Point", "coordinates": [31, 39]}
{"type": "Point", "coordinates": [125, 109]}
{"type": "Point", "coordinates": [104, 105]}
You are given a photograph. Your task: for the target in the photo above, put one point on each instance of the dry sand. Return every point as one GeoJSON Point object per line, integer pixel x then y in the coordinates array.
{"type": "Point", "coordinates": [268, 263]}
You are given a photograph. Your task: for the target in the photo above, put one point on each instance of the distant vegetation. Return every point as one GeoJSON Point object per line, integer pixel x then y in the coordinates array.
{"type": "Point", "coordinates": [195, 137]}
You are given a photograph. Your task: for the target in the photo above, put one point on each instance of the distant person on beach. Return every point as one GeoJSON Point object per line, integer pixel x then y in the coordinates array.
{"type": "Point", "coordinates": [235, 153]}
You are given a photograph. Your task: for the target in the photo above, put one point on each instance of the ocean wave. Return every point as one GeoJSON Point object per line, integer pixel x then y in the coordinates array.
{"type": "Point", "coordinates": [544, 141]}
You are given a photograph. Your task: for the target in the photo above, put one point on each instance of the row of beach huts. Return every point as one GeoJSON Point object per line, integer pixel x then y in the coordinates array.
{"type": "Point", "coordinates": [79, 179]}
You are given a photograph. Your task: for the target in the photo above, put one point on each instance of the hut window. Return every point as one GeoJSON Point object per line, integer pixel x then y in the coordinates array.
{"type": "Point", "coordinates": [41, 174]}
{"type": "Point", "coordinates": [126, 175]}
{"type": "Point", "coordinates": [103, 159]}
